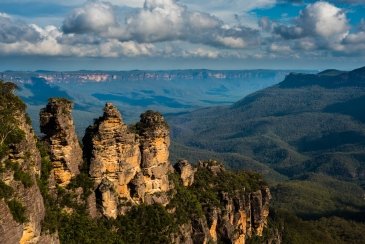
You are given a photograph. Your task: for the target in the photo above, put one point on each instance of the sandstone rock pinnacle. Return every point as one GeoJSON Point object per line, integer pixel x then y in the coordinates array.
{"type": "Point", "coordinates": [128, 165]}
{"type": "Point", "coordinates": [66, 155]}
{"type": "Point", "coordinates": [154, 145]}
{"type": "Point", "coordinates": [114, 157]}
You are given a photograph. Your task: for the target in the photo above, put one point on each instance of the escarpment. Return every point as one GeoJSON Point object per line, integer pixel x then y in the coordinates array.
{"type": "Point", "coordinates": [128, 166]}
{"type": "Point", "coordinates": [66, 155]}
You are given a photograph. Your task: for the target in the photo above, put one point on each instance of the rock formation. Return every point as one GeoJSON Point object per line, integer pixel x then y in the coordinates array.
{"type": "Point", "coordinates": [242, 215]}
{"type": "Point", "coordinates": [154, 145]}
{"type": "Point", "coordinates": [66, 155]}
{"type": "Point", "coordinates": [186, 172]}
{"type": "Point", "coordinates": [239, 216]}
{"type": "Point", "coordinates": [128, 166]}
{"type": "Point", "coordinates": [23, 159]}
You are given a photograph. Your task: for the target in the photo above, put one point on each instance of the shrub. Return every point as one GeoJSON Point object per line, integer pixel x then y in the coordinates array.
{"type": "Point", "coordinates": [5, 190]}
{"type": "Point", "coordinates": [10, 106]}
{"type": "Point", "coordinates": [82, 180]}
{"type": "Point", "coordinates": [20, 175]}
{"type": "Point", "coordinates": [23, 177]}
{"type": "Point", "coordinates": [17, 210]}
{"type": "Point", "coordinates": [80, 228]}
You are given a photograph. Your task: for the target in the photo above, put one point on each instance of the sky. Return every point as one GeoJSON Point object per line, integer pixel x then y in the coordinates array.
{"type": "Point", "coordinates": [181, 34]}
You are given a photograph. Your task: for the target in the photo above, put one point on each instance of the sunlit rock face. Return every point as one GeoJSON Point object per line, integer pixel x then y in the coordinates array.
{"type": "Point", "coordinates": [66, 155]}
{"type": "Point", "coordinates": [26, 155]}
{"type": "Point", "coordinates": [186, 172]}
{"type": "Point", "coordinates": [129, 165]}
{"type": "Point", "coordinates": [154, 145]}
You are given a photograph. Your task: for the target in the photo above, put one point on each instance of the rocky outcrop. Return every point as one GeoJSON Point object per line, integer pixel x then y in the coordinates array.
{"type": "Point", "coordinates": [186, 172]}
{"type": "Point", "coordinates": [112, 151]}
{"type": "Point", "coordinates": [66, 155]}
{"type": "Point", "coordinates": [24, 163]}
{"type": "Point", "coordinates": [128, 166]}
{"type": "Point", "coordinates": [154, 145]}
{"type": "Point", "coordinates": [260, 202]}
{"type": "Point", "coordinates": [240, 214]}
{"type": "Point", "coordinates": [240, 217]}
{"type": "Point", "coordinates": [196, 231]}
{"type": "Point", "coordinates": [213, 166]}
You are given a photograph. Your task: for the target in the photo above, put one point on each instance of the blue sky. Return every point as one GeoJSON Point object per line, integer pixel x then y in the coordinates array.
{"type": "Point", "coordinates": [169, 34]}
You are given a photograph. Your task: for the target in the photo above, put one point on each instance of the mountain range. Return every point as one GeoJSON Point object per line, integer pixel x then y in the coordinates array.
{"type": "Point", "coordinates": [135, 91]}
{"type": "Point", "coordinates": [305, 134]}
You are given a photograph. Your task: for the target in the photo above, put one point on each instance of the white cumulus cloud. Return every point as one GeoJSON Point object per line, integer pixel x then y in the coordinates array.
{"type": "Point", "coordinates": [94, 16]}
{"type": "Point", "coordinates": [158, 21]}
{"type": "Point", "coordinates": [320, 19]}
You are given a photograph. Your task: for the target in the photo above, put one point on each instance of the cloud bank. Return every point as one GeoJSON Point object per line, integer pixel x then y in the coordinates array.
{"type": "Point", "coordinates": [169, 28]}
{"type": "Point", "coordinates": [157, 21]}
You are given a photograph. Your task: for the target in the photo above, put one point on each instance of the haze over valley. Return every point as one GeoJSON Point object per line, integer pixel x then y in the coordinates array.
{"type": "Point", "coordinates": [135, 91]}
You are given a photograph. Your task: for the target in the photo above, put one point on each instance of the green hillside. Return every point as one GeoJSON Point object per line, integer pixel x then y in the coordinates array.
{"type": "Point", "coordinates": [289, 128]}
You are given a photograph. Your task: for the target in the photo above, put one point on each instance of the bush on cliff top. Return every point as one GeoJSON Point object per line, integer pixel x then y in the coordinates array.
{"type": "Point", "coordinates": [207, 187]}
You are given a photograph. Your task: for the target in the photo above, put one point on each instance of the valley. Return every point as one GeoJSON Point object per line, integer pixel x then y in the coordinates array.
{"type": "Point", "coordinates": [135, 91]}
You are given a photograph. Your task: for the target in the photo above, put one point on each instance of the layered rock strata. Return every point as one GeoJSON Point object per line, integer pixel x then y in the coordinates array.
{"type": "Point", "coordinates": [150, 184]}
{"type": "Point", "coordinates": [66, 155]}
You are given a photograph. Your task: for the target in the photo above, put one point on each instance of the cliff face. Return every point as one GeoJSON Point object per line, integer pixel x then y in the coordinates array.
{"type": "Point", "coordinates": [23, 166]}
{"type": "Point", "coordinates": [66, 155]}
{"type": "Point", "coordinates": [128, 167]}
{"type": "Point", "coordinates": [237, 215]}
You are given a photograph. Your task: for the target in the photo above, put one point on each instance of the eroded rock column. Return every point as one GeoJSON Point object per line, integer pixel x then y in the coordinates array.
{"type": "Point", "coordinates": [114, 156]}
{"type": "Point", "coordinates": [154, 145]}
{"type": "Point", "coordinates": [129, 164]}
{"type": "Point", "coordinates": [66, 155]}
